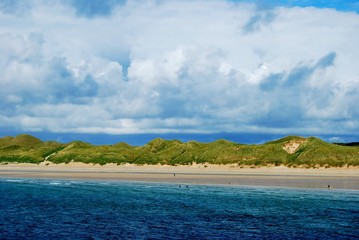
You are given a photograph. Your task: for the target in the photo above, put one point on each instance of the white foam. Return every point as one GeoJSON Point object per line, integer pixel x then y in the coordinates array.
{"type": "Point", "coordinates": [56, 183]}
{"type": "Point", "coordinates": [14, 180]}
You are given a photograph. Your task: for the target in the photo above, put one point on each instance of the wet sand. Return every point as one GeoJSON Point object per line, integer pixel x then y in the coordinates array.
{"type": "Point", "coordinates": [339, 178]}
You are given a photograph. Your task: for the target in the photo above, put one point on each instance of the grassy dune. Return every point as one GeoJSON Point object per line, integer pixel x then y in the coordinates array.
{"type": "Point", "coordinates": [290, 151]}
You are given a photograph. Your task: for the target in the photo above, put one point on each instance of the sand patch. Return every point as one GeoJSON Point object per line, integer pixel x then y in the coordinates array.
{"type": "Point", "coordinates": [293, 145]}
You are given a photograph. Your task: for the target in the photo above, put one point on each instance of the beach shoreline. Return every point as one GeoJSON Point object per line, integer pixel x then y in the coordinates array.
{"type": "Point", "coordinates": [281, 176]}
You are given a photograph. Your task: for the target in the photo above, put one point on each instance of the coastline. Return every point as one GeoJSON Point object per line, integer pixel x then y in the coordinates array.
{"type": "Point", "coordinates": [281, 176]}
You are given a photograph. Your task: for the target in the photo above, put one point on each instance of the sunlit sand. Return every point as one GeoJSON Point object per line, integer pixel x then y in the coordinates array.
{"type": "Point", "coordinates": [336, 178]}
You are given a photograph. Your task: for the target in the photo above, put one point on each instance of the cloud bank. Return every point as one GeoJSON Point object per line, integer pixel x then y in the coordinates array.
{"type": "Point", "coordinates": [177, 66]}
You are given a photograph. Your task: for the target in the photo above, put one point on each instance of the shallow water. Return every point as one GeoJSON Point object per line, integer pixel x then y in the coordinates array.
{"type": "Point", "coordinates": [47, 209]}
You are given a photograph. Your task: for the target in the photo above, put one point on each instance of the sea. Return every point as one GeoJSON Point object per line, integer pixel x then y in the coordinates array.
{"type": "Point", "coordinates": [84, 209]}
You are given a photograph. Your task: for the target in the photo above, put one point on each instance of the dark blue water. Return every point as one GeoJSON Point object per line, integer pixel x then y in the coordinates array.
{"type": "Point", "coordinates": [63, 209]}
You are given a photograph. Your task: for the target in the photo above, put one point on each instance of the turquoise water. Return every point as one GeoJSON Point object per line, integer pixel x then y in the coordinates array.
{"type": "Point", "coordinates": [64, 209]}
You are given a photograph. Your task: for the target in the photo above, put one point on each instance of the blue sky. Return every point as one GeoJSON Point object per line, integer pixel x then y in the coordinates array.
{"type": "Point", "coordinates": [248, 71]}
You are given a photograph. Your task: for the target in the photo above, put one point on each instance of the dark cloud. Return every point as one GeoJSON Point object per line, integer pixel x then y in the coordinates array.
{"type": "Point", "coordinates": [302, 73]}
{"type": "Point", "coordinates": [57, 85]}
{"type": "Point", "coordinates": [64, 87]}
{"type": "Point", "coordinates": [326, 61]}
{"type": "Point", "coordinates": [297, 75]}
{"type": "Point", "coordinates": [272, 81]}
{"type": "Point", "coordinates": [286, 116]}
{"type": "Point", "coordinates": [289, 90]}
{"type": "Point", "coordinates": [260, 18]}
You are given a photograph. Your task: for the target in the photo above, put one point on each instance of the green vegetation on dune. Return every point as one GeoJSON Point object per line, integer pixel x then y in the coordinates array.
{"type": "Point", "coordinates": [290, 151]}
{"type": "Point", "coordinates": [25, 148]}
{"type": "Point", "coordinates": [23, 140]}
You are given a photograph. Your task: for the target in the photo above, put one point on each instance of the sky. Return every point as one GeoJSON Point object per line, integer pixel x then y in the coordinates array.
{"type": "Point", "coordinates": [117, 69]}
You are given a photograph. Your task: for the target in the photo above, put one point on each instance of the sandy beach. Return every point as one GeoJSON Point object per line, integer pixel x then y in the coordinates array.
{"type": "Point", "coordinates": [337, 178]}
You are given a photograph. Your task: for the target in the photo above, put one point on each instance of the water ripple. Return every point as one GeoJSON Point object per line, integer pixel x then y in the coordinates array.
{"type": "Point", "coordinates": [47, 209]}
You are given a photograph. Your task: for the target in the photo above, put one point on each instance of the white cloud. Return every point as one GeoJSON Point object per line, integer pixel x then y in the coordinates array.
{"type": "Point", "coordinates": [179, 66]}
